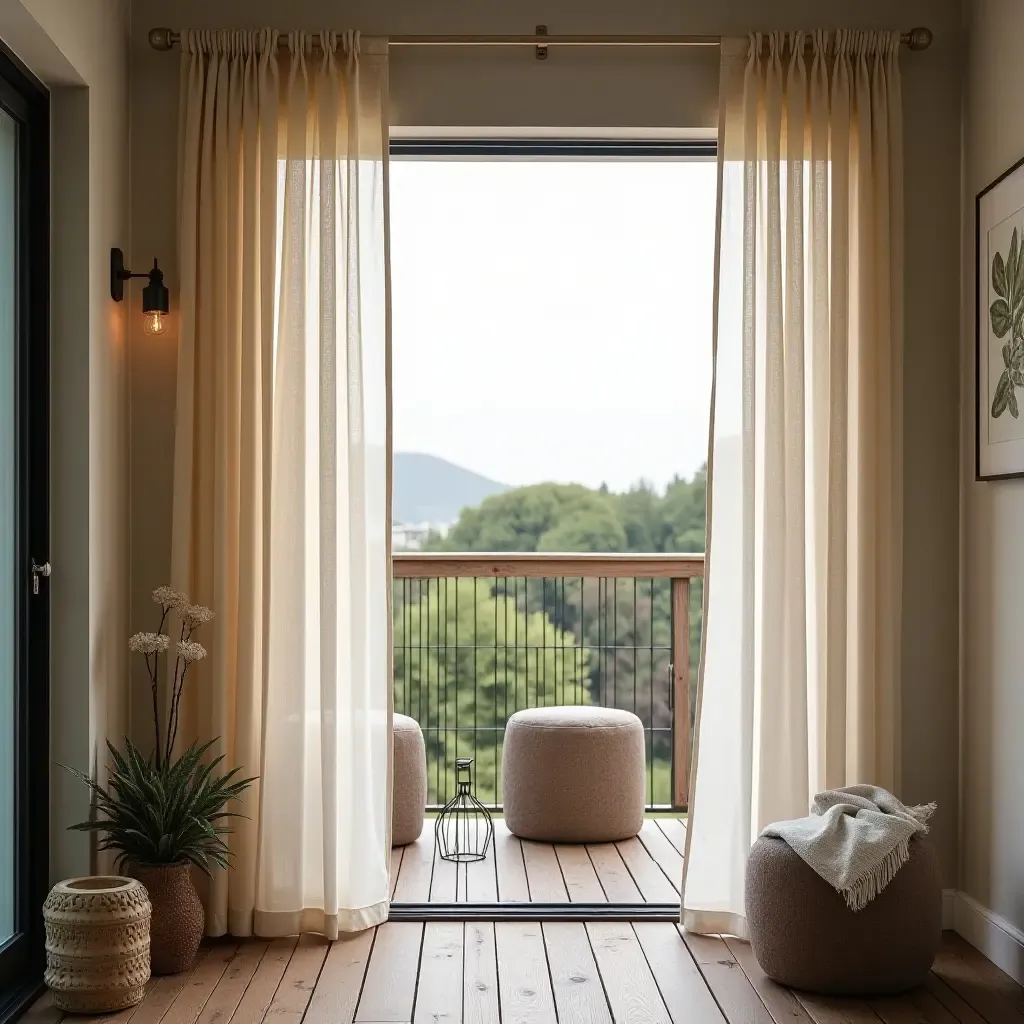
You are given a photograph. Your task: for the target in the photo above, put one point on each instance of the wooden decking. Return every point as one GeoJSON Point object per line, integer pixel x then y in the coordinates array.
{"type": "Point", "coordinates": [647, 869]}
{"type": "Point", "coordinates": [528, 973]}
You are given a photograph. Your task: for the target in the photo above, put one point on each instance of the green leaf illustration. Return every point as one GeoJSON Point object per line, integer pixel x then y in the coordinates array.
{"type": "Point", "coordinates": [1013, 296]}
{"type": "Point", "coordinates": [1002, 396]}
{"type": "Point", "coordinates": [999, 275]}
{"type": "Point", "coordinates": [1018, 279]}
{"type": "Point", "coordinates": [1011, 404]}
{"type": "Point", "coordinates": [1000, 314]}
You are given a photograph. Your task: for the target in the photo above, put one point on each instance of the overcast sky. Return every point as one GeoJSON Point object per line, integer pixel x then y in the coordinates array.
{"type": "Point", "coordinates": [552, 320]}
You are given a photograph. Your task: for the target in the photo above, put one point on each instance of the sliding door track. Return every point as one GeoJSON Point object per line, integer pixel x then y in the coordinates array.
{"type": "Point", "coordinates": [507, 911]}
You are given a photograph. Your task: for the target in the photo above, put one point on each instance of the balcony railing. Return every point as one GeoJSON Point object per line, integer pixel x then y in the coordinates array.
{"type": "Point", "coordinates": [478, 637]}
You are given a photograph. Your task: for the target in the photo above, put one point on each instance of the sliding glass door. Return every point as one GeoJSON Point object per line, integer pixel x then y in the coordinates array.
{"type": "Point", "coordinates": [24, 391]}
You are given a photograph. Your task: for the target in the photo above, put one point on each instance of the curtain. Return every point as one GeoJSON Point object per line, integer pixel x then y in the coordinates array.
{"type": "Point", "coordinates": [282, 465]}
{"type": "Point", "coordinates": [799, 685]}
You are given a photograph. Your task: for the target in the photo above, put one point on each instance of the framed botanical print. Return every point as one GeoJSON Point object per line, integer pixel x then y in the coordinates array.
{"type": "Point", "coordinates": [999, 243]}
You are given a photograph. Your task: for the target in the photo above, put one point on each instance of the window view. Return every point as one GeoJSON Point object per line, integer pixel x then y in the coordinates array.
{"type": "Point", "coordinates": [552, 372]}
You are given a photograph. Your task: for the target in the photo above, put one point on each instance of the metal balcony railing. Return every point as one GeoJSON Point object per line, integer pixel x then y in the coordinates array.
{"type": "Point", "coordinates": [478, 637]}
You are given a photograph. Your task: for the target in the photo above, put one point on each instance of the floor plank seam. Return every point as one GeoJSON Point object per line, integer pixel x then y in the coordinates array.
{"type": "Point", "coordinates": [561, 874]}
{"type": "Point", "coordinates": [704, 977]}
{"type": "Point", "coordinates": [366, 971]}
{"type": "Point", "coordinates": [600, 974]}
{"type": "Point", "coordinates": [629, 872]}
{"type": "Point", "coordinates": [757, 992]}
{"type": "Point", "coordinates": [526, 874]}
{"type": "Point", "coordinates": [657, 863]}
{"type": "Point", "coordinates": [497, 969]}
{"type": "Point", "coordinates": [665, 833]}
{"type": "Point", "coordinates": [241, 996]}
{"type": "Point", "coordinates": [547, 963]}
{"type": "Point", "coordinates": [586, 850]}
{"type": "Point", "coordinates": [419, 969]}
{"type": "Point", "coordinates": [654, 974]}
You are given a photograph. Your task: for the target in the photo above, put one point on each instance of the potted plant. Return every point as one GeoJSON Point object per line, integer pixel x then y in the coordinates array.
{"type": "Point", "coordinates": [163, 814]}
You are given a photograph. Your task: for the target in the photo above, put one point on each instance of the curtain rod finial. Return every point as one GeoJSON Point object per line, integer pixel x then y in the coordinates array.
{"type": "Point", "coordinates": [919, 38]}
{"type": "Point", "coordinates": [160, 38]}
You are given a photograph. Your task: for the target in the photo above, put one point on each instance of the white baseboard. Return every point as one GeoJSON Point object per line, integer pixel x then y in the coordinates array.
{"type": "Point", "coordinates": [948, 900]}
{"type": "Point", "coordinates": [1000, 941]}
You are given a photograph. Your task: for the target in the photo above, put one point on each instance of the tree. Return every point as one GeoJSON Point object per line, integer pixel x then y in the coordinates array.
{"type": "Point", "coordinates": [536, 518]}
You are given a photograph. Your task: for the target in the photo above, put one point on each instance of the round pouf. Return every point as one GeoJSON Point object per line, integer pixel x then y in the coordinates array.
{"type": "Point", "coordinates": [409, 792]}
{"type": "Point", "coordinates": [573, 774]}
{"type": "Point", "coordinates": [97, 943]}
{"type": "Point", "coordinates": [804, 935]}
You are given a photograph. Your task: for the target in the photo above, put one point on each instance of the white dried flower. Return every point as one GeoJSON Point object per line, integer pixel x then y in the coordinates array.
{"type": "Point", "coordinates": [191, 651]}
{"type": "Point", "coordinates": [170, 598]}
{"type": "Point", "coordinates": [149, 643]}
{"type": "Point", "coordinates": [196, 614]}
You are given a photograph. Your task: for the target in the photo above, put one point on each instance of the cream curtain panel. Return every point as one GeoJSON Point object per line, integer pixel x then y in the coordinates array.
{"type": "Point", "coordinates": [281, 487]}
{"type": "Point", "coordinates": [800, 675]}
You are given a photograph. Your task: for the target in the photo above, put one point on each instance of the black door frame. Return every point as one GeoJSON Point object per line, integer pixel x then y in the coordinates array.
{"type": "Point", "coordinates": [22, 959]}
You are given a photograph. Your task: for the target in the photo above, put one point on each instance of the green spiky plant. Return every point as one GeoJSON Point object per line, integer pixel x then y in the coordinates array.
{"type": "Point", "coordinates": [161, 809]}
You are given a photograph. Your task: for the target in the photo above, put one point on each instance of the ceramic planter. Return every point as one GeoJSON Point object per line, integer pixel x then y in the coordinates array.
{"type": "Point", "coordinates": [177, 927]}
{"type": "Point", "coordinates": [97, 943]}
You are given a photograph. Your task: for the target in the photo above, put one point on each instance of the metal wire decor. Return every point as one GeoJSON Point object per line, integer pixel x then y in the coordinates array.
{"type": "Point", "coordinates": [464, 829]}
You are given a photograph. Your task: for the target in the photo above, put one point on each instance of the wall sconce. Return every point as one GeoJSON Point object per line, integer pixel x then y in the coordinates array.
{"type": "Point", "coordinates": [155, 297]}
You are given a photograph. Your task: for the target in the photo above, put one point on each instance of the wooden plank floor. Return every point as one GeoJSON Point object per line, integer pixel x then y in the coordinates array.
{"type": "Point", "coordinates": [647, 869]}
{"type": "Point", "coordinates": [532, 973]}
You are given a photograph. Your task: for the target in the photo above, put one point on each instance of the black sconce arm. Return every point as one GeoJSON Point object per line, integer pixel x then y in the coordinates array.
{"type": "Point", "coordinates": [154, 295]}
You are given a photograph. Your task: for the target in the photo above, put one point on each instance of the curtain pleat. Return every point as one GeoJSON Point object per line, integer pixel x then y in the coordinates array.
{"type": "Point", "coordinates": [281, 514]}
{"type": "Point", "coordinates": [799, 676]}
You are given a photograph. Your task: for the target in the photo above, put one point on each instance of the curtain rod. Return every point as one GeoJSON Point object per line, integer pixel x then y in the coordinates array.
{"type": "Point", "coordinates": [916, 39]}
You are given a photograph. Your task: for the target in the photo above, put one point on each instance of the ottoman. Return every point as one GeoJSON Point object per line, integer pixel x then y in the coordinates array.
{"type": "Point", "coordinates": [409, 781]}
{"type": "Point", "coordinates": [573, 774]}
{"type": "Point", "coordinates": [804, 935]}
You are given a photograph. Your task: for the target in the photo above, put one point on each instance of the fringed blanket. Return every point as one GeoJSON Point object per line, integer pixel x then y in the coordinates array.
{"type": "Point", "coordinates": [856, 838]}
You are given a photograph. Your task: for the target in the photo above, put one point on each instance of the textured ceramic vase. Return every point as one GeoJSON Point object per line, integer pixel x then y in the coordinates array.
{"type": "Point", "coordinates": [97, 943]}
{"type": "Point", "coordinates": [177, 927]}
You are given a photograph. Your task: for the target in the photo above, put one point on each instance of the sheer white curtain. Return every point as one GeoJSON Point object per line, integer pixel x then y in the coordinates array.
{"type": "Point", "coordinates": [800, 675]}
{"type": "Point", "coordinates": [282, 464]}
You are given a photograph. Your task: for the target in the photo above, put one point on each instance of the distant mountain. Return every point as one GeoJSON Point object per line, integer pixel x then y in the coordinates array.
{"type": "Point", "coordinates": [427, 489]}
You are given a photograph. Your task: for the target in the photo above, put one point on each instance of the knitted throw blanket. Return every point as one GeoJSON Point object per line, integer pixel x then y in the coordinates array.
{"type": "Point", "coordinates": [856, 838]}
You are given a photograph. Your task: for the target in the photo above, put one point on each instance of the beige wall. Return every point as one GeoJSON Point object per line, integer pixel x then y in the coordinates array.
{"type": "Point", "coordinates": [79, 48]}
{"type": "Point", "coordinates": [992, 680]}
{"type": "Point", "coordinates": [652, 88]}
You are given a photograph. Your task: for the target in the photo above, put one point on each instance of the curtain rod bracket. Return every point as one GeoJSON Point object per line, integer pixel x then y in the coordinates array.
{"type": "Point", "coordinates": [542, 51]}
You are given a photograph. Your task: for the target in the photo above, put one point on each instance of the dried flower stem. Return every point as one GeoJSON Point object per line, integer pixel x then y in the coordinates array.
{"type": "Point", "coordinates": [154, 677]}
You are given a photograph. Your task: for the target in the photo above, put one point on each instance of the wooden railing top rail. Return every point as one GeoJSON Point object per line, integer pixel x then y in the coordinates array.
{"type": "Point", "coordinates": [442, 565]}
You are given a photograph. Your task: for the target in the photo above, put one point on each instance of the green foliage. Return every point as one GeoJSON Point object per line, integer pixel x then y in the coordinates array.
{"type": "Point", "coordinates": [534, 518]}
{"type": "Point", "coordinates": [465, 659]}
{"type": "Point", "coordinates": [570, 517]}
{"type": "Point", "coordinates": [1006, 315]}
{"type": "Point", "coordinates": [166, 814]}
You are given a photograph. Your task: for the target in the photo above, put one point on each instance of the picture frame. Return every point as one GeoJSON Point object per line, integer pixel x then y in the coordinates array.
{"type": "Point", "coordinates": [999, 327]}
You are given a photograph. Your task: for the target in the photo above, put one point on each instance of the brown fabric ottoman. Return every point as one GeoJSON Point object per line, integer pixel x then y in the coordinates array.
{"type": "Point", "coordinates": [573, 774]}
{"type": "Point", "coordinates": [804, 936]}
{"type": "Point", "coordinates": [409, 782]}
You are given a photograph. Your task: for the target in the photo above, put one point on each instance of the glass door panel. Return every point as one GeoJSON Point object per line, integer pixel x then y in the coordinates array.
{"type": "Point", "coordinates": [8, 441]}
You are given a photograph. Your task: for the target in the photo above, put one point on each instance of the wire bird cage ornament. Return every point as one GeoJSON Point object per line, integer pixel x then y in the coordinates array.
{"type": "Point", "coordinates": [464, 829]}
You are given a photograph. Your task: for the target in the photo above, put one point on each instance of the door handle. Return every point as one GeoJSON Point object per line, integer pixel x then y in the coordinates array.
{"type": "Point", "coordinates": [37, 571]}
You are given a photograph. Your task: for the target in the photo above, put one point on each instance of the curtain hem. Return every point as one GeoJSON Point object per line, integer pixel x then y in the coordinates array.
{"type": "Point", "coordinates": [277, 924]}
{"type": "Point", "coordinates": [715, 922]}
